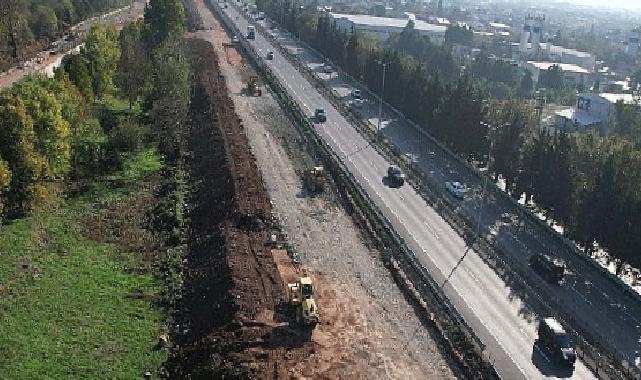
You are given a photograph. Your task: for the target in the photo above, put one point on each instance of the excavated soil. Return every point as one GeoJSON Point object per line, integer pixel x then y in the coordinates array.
{"type": "Point", "coordinates": [232, 288]}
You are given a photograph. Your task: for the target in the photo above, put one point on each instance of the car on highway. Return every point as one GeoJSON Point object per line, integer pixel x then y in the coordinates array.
{"type": "Point", "coordinates": [358, 103]}
{"type": "Point", "coordinates": [395, 176]}
{"type": "Point", "coordinates": [235, 39]}
{"type": "Point", "coordinates": [550, 268]}
{"type": "Point", "coordinates": [320, 116]}
{"type": "Point", "coordinates": [328, 69]}
{"type": "Point", "coordinates": [553, 338]}
{"type": "Point", "coordinates": [456, 189]}
{"type": "Point", "coordinates": [270, 55]}
{"type": "Point", "coordinates": [356, 94]}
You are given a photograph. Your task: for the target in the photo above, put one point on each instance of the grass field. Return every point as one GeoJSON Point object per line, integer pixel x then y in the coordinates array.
{"type": "Point", "coordinates": [73, 306]}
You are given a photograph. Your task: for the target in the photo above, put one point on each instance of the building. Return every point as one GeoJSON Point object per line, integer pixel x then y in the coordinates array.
{"type": "Point", "coordinates": [530, 40]}
{"type": "Point", "coordinates": [559, 54]}
{"type": "Point", "coordinates": [572, 74]}
{"type": "Point", "coordinates": [591, 112]}
{"type": "Point", "coordinates": [383, 27]}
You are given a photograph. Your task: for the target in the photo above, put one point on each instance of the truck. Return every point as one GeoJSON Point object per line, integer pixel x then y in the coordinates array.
{"type": "Point", "coordinates": [554, 339]}
{"type": "Point", "coordinates": [251, 32]}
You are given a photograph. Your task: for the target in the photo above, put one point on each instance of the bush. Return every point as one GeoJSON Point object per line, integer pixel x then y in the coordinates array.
{"type": "Point", "coordinates": [127, 136]}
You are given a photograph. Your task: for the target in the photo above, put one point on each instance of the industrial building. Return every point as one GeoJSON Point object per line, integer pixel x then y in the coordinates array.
{"type": "Point", "coordinates": [383, 27]}
{"type": "Point", "coordinates": [572, 74]}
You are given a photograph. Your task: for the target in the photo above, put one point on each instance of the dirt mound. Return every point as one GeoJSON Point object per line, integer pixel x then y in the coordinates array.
{"type": "Point", "coordinates": [232, 288]}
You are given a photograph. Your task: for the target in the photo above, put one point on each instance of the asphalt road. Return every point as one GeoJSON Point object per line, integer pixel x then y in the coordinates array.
{"type": "Point", "coordinates": [480, 295]}
{"type": "Point", "coordinates": [594, 303]}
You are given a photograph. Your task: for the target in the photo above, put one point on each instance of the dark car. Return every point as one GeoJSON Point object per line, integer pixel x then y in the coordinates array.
{"type": "Point", "coordinates": [555, 340]}
{"type": "Point", "coordinates": [549, 268]}
{"type": "Point", "coordinates": [320, 116]}
{"type": "Point", "coordinates": [270, 55]}
{"type": "Point", "coordinates": [395, 176]}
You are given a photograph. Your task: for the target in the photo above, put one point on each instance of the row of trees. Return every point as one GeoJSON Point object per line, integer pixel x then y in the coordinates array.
{"type": "Point", "coordinates": [24, 21]}
{"type": "Point", "coordinates": [54, 128]}
{"type": "Point", "coordinates": [579, 178]}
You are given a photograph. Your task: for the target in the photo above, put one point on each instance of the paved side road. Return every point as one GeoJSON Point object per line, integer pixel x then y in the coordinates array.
{"type": "Point", "coordinates": [484, 300]}
{"type": "Point", "coordinates": [594, 302]}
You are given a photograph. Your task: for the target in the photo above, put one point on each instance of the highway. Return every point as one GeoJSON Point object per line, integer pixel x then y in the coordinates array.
{"type": "Point", "coordinates": [499, 317]}
{"type": "Point", "coordinates": [594, 302]}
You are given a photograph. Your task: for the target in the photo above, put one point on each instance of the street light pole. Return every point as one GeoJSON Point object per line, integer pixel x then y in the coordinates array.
{"type": "Point", "coordinates": [380, 103]}
{"type": "Point", "coordinates": [489, 163]}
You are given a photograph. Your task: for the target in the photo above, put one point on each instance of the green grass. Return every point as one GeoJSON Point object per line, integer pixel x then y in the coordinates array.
{"type": "Point", "coordinates": [65, 307]}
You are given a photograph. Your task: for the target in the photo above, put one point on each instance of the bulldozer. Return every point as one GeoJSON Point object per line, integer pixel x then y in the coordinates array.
{"type": "Point", "coordinates": [253, 86]}
{"type": "Point", "coordinates": [301, 297]}
{"type": "Point", "coordinates": [315, 179]}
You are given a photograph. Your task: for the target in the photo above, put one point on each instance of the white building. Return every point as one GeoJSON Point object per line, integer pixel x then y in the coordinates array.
{"type": "Point", "coordinates": [383, 27]}
{"type": "Point", "coordinates": [572, 74]}
{"type": "Point", "coordinates": [559, 54]}
{"type": "Point", "coordinates": [592, 111]}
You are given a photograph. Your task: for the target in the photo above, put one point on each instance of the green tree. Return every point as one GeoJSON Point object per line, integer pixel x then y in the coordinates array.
{"type": "Point", "coordinates": [17, 148]}
{"type": "Point", "coordinates": [527, 84]}
{"type": "Point", "coordinates": [5, 181]}
{"type": "Point", "coordinates": [52, 131]}
{"type": "Point", "coordinates": [45, 21]}
{"type": "Point", "coordinates": [459, 35]}
{"type": "Point", "coordinates": [102, 54]}
{"type": "Point", "coordinates": [134, 68]}
{"type": "Point", "coordinates": [351, 56]}
{"type": "Point", "coordinates": [164, 19]}
{"type": "Point", "coordinates": [170, 96]}
{"type": "Point", "coordinates": [76, 67]}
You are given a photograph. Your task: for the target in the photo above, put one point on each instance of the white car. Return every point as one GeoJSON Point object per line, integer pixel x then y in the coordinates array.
{"type": "Point", "coordinates": [328, 69]}
{"type": "Point", "coordinates": [457, 189]}
{"type": "Point", "coordinates": [235, 39]}
{"type": "Point", "coordinates": [358, 103]}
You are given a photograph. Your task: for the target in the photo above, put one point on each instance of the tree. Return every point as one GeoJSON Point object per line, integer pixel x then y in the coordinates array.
{"type": "Point", "coordinates": [17, 148]}
{"type": "Point", "coordinates": [527, 84]}
{"type": "Point", "coordinates": [170, 96]}
{"type": "Point", "coordinates": [5, 181]}
{"type": "Point", "coordinates": [102, 54]}
{"type": "Point", "coordinates": [45, 21]}
{"type": "Point", "coordinates": [52, 131]}
{"type": "Point", "coordinates": [351, 56]}
{"type": "Point", "coordinates": [164, 19]}
{"type": "Point", "coordinates": [134, 68]}
{"type": "Point", "coordinates": [552, 77]}
{"type": "Point", "coordinates": [76, 67]}
{"type": "Point", "coordinates": [459, 35]}
{"type": "Point", "coordinates": [14, 24]}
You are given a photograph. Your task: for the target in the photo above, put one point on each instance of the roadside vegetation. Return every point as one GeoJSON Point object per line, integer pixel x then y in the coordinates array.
{"type": "Point", "coordinates": [92, 204]}
{"type": "Point", "coordinates": [25, 24]}
{"type": "Point", "coordinates": [587, 182]}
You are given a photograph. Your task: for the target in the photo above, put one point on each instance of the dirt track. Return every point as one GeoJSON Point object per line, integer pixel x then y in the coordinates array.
{"type": "Point", "coordinates": [368, 329]}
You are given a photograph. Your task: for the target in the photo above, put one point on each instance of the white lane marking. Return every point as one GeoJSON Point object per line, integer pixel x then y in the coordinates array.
{"type": "Point", "coordinates": [581, 295]}
{"type": "Point", "coordinates": [467, 304]}
{"type": "Point", "coordinates": [426, 222]}
{"type": "Point", "coordinates": [524, 332]}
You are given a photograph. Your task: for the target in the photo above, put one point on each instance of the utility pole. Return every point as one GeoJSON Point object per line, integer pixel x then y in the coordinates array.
{"type": "Point", "coordinates": [380, 103]}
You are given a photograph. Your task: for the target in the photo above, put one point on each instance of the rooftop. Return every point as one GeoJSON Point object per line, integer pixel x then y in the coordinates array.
{"type": "Point", "coordinates": [564, 66]}
{"type": "Point", "coordinates": [389, 22]}
{"type": "Point", "coordinates": [498, 25]}
{"type": "Point", "coordinates": [582, 118]}
{"type": "Point", "coordinates": [613, 98]}
{"type": "Point", "coordinates": [554, 49]}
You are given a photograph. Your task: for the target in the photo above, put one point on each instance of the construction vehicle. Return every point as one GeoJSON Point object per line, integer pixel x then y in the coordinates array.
{"type": "Point", "coordinates": [315, 179]}
{"type": "Point", "coordinates": [301, 297]}
{"type": "Point", "coordinates": [253, 86]}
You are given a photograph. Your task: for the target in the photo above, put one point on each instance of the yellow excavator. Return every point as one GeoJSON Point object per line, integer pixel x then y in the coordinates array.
{"type": "Point", "coordinates": [301, 297]}
{"type": "Point", "coordinates": [315, 179]}
{"type": "Point", "coordinates": [253, 86]}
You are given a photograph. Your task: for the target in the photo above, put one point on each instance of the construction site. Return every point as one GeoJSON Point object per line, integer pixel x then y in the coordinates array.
{"type": "Point", "coordinates": [279, 280]}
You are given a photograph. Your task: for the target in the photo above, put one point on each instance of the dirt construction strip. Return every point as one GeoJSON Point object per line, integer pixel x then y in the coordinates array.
{"type": "Point", "coordinates": [368, 330]}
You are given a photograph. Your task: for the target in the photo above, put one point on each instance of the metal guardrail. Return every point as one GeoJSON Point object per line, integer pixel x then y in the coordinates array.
{"type": "Point", "coordinates": [341, 171]}
{"type": "Point", "coordinates": [604, 365]}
